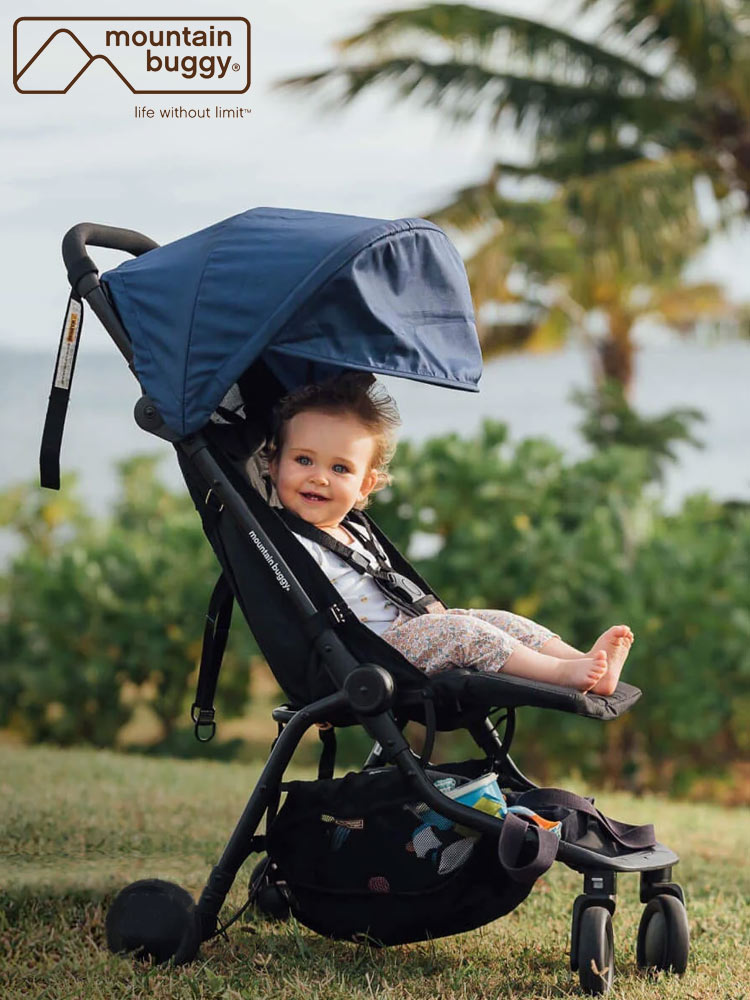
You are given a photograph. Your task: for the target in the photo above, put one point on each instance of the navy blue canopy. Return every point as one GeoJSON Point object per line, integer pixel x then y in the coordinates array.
{"type": "Point", "coordinates": [310, 292]}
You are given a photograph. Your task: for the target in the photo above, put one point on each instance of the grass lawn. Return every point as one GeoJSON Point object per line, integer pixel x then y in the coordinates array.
{"type": "Point", "coordinates": [77, 825]}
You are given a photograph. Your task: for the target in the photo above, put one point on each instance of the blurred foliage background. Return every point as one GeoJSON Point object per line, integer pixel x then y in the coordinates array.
{"type": "Point", "coordinates": [102, 620]}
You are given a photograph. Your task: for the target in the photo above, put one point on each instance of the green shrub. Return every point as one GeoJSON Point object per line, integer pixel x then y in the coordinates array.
{"type": "Point", "coordinates": [99, 617]}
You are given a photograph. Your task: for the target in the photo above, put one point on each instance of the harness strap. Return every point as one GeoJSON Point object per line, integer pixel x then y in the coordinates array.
{"type": "Point", "coordinates": [57, 407]}
{"type": "Point", "coordinates": [399, 589]}
{"type": "Point", "coordinates": [215, 633]}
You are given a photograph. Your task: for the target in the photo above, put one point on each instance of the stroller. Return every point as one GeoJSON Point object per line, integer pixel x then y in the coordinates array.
{"type": "Point", "coordinates": [216, 327]}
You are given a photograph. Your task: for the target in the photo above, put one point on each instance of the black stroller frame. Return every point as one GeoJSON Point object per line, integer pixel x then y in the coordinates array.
{"type": "Point", "coordinates": [366, 694]}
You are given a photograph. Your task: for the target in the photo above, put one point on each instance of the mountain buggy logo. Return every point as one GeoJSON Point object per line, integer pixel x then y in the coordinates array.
{"type": "Point", "coordinates": [151, 55]}
{"type": "Point", "coordinates": [283, 582]}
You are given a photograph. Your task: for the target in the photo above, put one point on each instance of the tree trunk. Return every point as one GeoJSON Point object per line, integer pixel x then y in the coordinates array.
{"type": "Point", "coordinates": [616, 352]}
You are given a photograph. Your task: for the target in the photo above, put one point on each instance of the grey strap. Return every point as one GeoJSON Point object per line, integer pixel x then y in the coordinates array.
{"type": "Point", "coordinates": [512, 844]}
{"type": "Point", "coordinates": [624, 834]}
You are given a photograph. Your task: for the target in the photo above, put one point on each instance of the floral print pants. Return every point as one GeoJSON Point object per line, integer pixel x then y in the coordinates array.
{"type": "Point", "coordinates": [475, 638]}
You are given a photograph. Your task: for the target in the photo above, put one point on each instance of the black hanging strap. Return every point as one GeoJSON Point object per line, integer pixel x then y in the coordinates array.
{"type": "Point", "coordinates": [430, 728]}
{"type": "Point", "coordinates": [57, 407]}
{"type": "Point", "coordinates": [327, 761]}
{"type": "Point", "coordinates": [218, 621]}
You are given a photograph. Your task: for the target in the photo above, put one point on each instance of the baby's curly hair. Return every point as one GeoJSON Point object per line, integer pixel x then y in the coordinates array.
{"type": "Point", "coordinates": [358, 394]}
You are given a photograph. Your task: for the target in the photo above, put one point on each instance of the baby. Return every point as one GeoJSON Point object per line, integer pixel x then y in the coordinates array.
{"type": "Point", "coordinates": [330, 452]}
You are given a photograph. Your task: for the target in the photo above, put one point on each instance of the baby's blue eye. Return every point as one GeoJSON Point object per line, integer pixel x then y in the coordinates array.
{"type": "Point", "coordinates": [338, 467]}
{"type": "Point", "coordinates": [303, 460]}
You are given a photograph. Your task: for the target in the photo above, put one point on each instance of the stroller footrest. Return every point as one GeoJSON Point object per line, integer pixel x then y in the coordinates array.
{"type": "Point", "coordinates": [471, 688]}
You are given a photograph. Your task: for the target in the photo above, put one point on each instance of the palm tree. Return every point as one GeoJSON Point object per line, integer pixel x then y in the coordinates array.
{"type": "Point", "coordinates": [622, 127]}
{"type": "Point", "coordinates": [568, 265]}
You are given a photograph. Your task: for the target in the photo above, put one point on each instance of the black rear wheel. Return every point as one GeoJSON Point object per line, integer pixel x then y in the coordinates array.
{"type": "Point", "coordinates": [596, 950]}
{"type": "Point", "coordinates": [663, 935]}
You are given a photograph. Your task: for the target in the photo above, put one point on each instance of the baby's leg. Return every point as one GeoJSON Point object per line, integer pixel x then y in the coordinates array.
{"type": "Point", "coordinates": [527, 632]}
{"type": "Point", "coordinates": [615, 642]}
{"type": "Point", "coordinates": [438, 642]}
{"type": "Point", "coordinates": [556, 647]}
{"type": "Point", "coordinates": [434, 643]}
{"type": "Point", "coordinates": [581, 673]}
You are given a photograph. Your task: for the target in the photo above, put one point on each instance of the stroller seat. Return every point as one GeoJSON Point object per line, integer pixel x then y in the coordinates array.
{"type": "Point", "coordinates": [217, 327]}
{"type": "Point", "coordinates": [456, 694]}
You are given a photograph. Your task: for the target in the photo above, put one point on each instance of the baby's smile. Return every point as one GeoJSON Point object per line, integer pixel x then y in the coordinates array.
{"type": "Point", "coordinates": [313, 497]}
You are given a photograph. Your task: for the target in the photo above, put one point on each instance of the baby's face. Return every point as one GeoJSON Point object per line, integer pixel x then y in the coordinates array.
{"type": "Point", "coordinates": [324, 467]}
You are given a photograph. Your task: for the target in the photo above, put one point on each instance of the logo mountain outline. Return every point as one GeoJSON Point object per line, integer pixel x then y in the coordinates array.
{"type": "Point", "coordinates": [78, 75]}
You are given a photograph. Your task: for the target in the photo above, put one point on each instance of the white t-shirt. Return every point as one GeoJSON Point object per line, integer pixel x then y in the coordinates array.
{"type": "Point", "coordinates": [359, 590]}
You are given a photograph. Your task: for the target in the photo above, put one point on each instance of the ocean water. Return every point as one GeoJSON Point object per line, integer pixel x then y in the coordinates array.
{"type": "Point", "coordinates": [531, 393]}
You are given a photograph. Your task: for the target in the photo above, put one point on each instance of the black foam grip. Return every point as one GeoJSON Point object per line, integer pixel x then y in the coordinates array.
{"type": "Point", "coordinates": [75, 241]}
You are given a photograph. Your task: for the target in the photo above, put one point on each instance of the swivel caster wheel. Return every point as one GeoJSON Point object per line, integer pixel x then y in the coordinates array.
{"type": "Point", "coordinates": [596, 951]}
{"type": "Point", "coordinates": [663, 936]}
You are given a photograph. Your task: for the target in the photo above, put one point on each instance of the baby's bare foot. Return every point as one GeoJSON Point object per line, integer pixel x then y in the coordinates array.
{"type": "Point", "coordinates": [582, 674]}
{"type": "Point", "coordinates": [616, 642]}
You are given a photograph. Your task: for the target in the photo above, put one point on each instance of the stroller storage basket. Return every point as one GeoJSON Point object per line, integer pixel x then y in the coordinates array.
{"type": "Point", "coordinates": [360, 858]}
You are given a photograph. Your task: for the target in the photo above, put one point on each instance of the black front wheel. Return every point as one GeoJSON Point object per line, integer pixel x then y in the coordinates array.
{"type": "Point", "coordinates": [663, 935]}
{"type": "Point", "coordinates": [596, 950]}
{"type": "Point", "coordinates": [154, 920]}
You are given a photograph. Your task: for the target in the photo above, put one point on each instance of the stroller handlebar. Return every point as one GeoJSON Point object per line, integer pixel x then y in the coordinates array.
{"type": "Point", "coordinates": [75, 241]}
{"type": "Point", "coordinates": [83, 274]}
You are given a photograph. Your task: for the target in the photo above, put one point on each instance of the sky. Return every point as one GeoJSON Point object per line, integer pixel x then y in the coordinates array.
{"type": "Point", "coordinates": [83, 156]}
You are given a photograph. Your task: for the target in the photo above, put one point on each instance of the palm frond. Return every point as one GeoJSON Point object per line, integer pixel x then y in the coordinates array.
{"type": "Point", "coordinates": [573, 160]}
{"type": "Point", "coordinates": [702, 34]}
{"type": "Point", "coordinates": [537, 242]}
{"type": "Point", "coordinates": [488, 271]}
{"type": "Point", "coordinates": [477, 205]}
{"type": "Point", "coordinates": [479, 28]}
{"type": "Point", "coordinates": [642, 214]}
{"type": "Point", "coordinates": [682, 305]}
{"type": "Point", "coordinates": [464, 89]}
